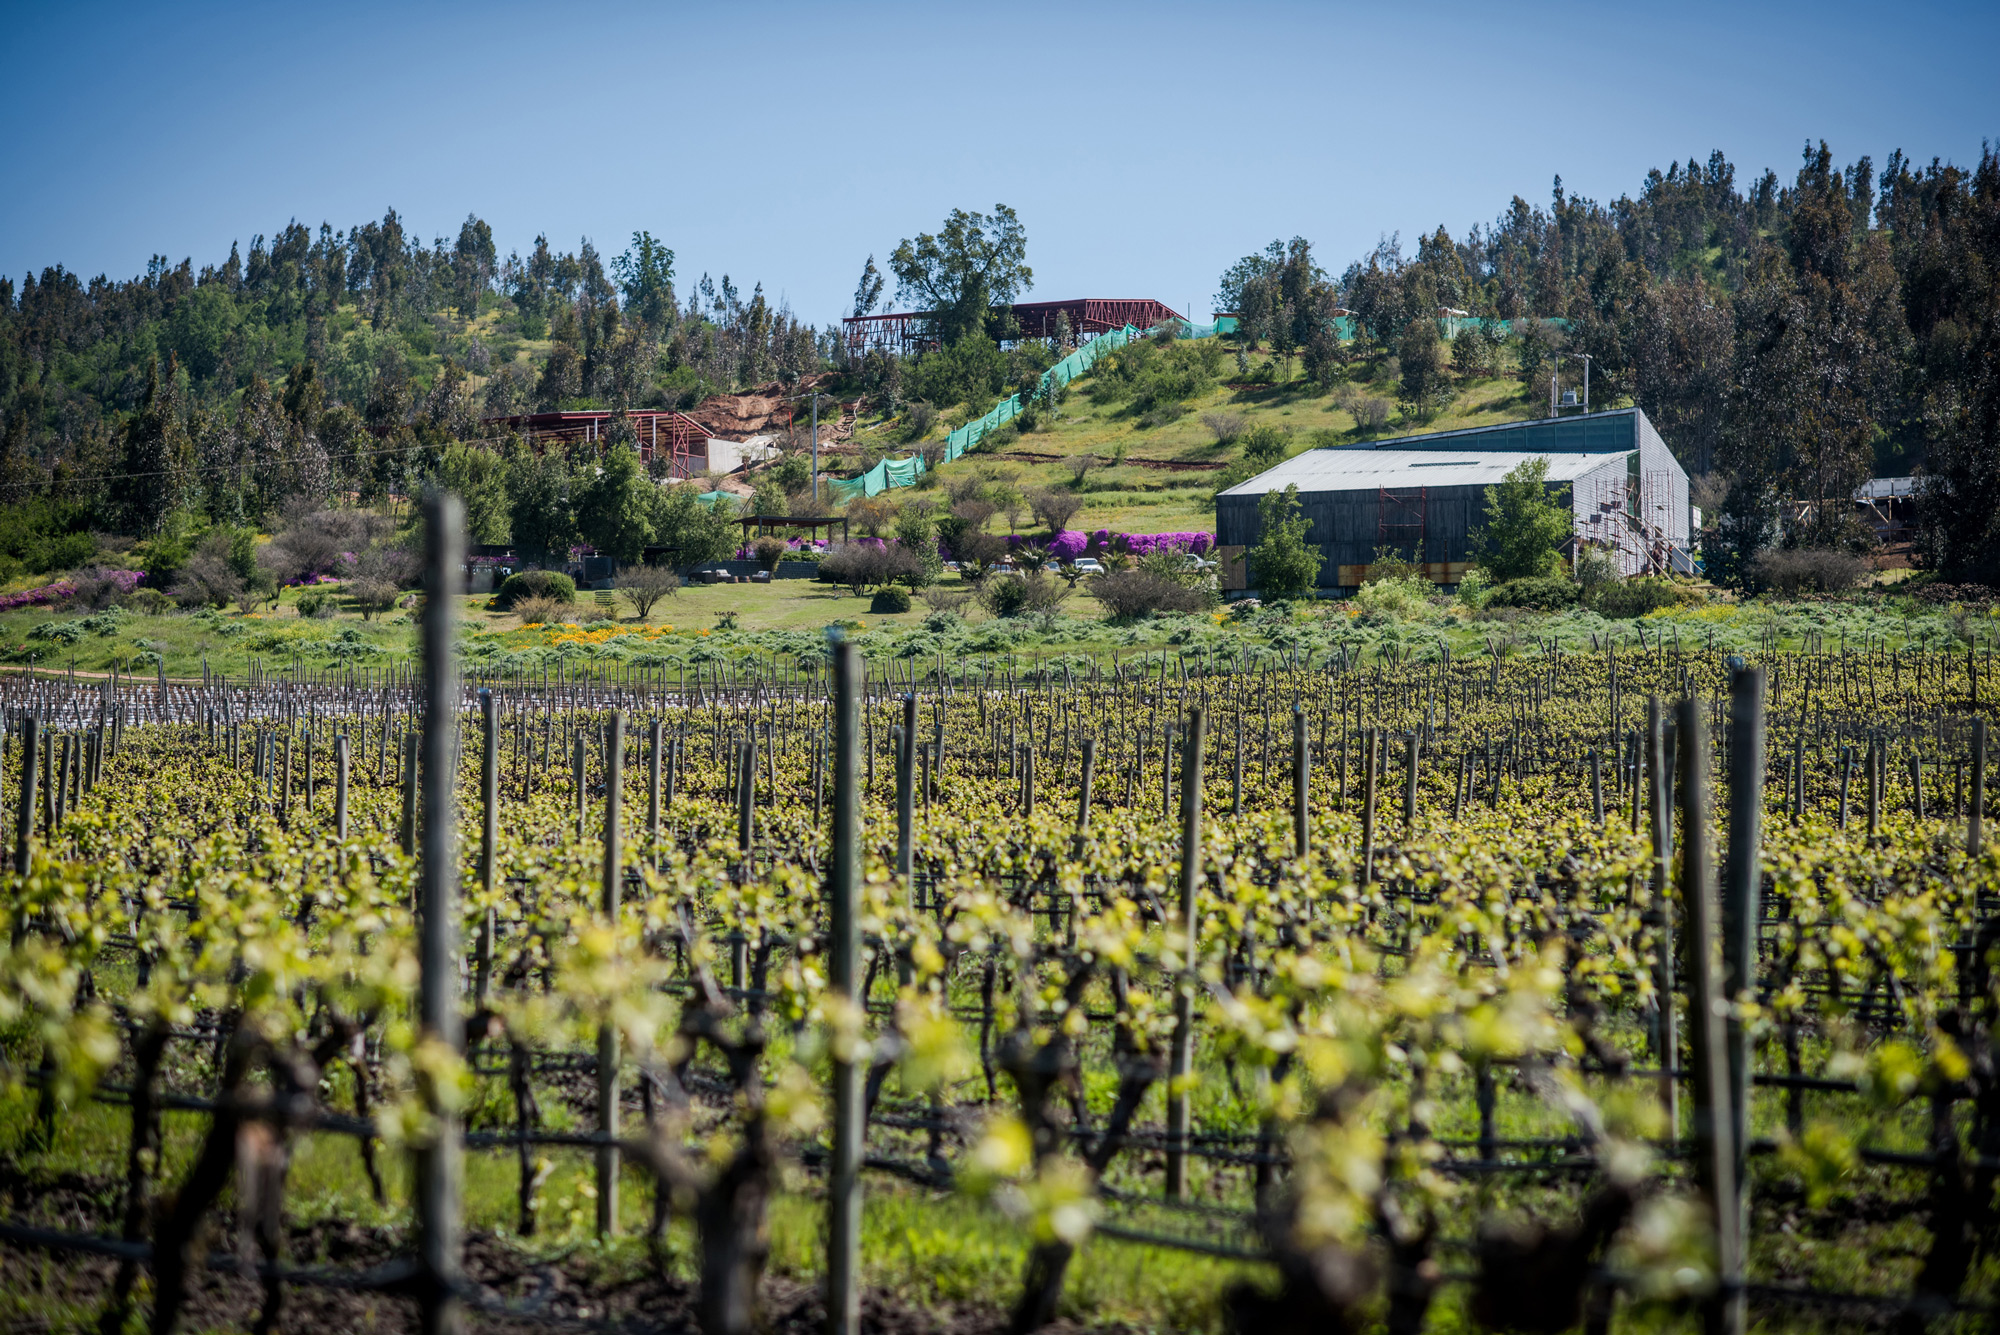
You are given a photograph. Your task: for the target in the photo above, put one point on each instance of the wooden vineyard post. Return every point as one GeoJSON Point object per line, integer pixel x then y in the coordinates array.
{"type": "Point", "coordinates": [409, 832]}
{"type": "Point", "coordinates": [1799, 778]}
{"type": "Point", "coordinates": [489, 837]}
{"type": "Point", "coordinates": [1975, 811]}
{"type": "Point", "coordinates": [653, 788]}
{"type": "Point", "coordinates": [1368, 743]}
{"type": "Point", "coordinates": [1236, 778]}
{"type": "Point", "coordinates": [1740, 903]}
{"type": "Point", "coordinates": [746, 798]}
{"type": "Point", "coordinates": [340, 760]}
{"type": "Point", "coordinates": [1637, 796]}
{"type": "Point", "coordinates": [1667, 1040]}
{"type": "Point", "coordinates": [1874, 786]}
{"type": "Point", "coordinates": [1409, 784]}
{"type": "Point", "coordinates": [607, 1033]}
{"type": "Point", "coordinates": [24, 816]}
{"type": "Point", "coordinates": [906, 797]}
{"type": "Point", "coordinates": [843, 949]}
{"type": "Point", "coordinates": [579, 759]}
{"type": "Point", "coordinates": [438, 1157]}
{"type": "Point", "coordinates": [1083, 791]}
{"type": "Point", "coordinates": [1597, 787]}
{"type": "Point", "coordinates": [1715, 1156]}
{"type": "Point", "coordinates": [48, 786]}
{"type": "Point", "coordinates": [1301, 783]}
{"type": "Point", "coordinates": [1180, 1065]}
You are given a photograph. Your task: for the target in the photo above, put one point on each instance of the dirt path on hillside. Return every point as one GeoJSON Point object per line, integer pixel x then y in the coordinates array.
{"type": "Point", "coordinates": [1105, 461]}
{"type": "Point", "coordinates": [768, 410]}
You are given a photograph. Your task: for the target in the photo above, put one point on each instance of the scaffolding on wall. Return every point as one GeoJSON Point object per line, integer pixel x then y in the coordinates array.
{"type": "Point", "coordinates": [1627, 517]}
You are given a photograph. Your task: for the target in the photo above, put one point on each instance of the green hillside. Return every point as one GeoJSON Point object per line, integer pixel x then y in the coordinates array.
{"type": "Point", "coordinates": [1159, 476]}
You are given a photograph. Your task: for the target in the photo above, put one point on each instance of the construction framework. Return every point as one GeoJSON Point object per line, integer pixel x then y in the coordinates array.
{"type": "Point", "coordinates": [1625, 516]}
{"type": "Point", "coordinates": [765, 523]}
{"type": "Point", "coordinates": [659, 433]}
{"type": "Point", "coordinates": [902, 332]}
{"type": "Point", "coordinates": [910, 331]}
{"type": "Point", "coordinates": [1090, 315]}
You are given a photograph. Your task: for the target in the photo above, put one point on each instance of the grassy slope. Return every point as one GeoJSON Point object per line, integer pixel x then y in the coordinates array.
{"type": "Point", "coordinates": [1146, 500]}
{"type": "Point", "coordinates": [771, 618]}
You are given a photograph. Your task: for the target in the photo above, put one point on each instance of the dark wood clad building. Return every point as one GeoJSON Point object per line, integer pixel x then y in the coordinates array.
{"type": "Point", "coordinates": [1423, 497]}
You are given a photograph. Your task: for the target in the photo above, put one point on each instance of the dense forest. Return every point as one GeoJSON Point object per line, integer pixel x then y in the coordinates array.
{"type": "Point", "coordinates": [347, 364]}
{"type": "Point", "coordinates": [1789, 339]}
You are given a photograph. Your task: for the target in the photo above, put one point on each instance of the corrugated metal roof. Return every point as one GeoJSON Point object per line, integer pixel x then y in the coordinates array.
{"type": "Point", "coordinates": [1354, 470]}
{"type": "Point", "coordinates": [1886, 489]}
{"type": "Point", "coordinates": [1582, 433]}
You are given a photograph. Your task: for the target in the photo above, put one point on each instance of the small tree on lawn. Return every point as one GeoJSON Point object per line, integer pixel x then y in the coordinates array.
{"type": "Point", "coordinates": [1284, 563]}
{"type": "Point", "coordinates": [1525, 523]}
{"type": "Point", "coordinates": [916, 535]}
{"type": "Point", "coordinates": [643, 586]}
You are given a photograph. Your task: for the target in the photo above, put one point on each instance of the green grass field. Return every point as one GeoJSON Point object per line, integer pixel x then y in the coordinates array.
{"type": "Point", "coordinates": [705, 623]}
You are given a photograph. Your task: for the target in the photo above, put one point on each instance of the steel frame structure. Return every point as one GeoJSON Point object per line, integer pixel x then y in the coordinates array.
{"type": "Point", "coordinates": [901, 332]}
{"type": "Point", "coordinates": [667, 434]}
{"type": "Point", "coordinates": [909, 331]}
{"type": "Point", "coordinates": [1091, 315]}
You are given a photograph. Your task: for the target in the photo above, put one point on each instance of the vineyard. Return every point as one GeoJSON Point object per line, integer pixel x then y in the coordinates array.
{"type": "Point", "coordinates": [1644, 987]}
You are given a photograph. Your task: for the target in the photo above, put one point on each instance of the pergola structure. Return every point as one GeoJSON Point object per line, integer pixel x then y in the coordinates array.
{"type": "Point", "coordinates": [766, 522]}
{"type": "Point", "coordinates": [910, 331]}
{"type": "Point", "coordinates": [671, 435]}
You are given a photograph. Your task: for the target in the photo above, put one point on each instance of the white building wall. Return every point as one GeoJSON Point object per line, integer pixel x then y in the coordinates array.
{"type": "Point", "coordinates": [1598, 510]}
{"type": "Point", "coordinates": [1663, 484]}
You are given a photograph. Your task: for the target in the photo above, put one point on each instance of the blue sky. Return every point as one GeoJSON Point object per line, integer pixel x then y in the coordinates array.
{"type": "Point", "coordinates": [1145, 146]}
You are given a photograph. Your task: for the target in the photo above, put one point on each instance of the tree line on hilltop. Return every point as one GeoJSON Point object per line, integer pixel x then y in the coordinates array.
{"type": "Point", "coordinates": [1789, 339]}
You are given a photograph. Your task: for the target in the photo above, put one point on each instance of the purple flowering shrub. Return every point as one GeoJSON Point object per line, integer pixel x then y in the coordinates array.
{"type": "Point", "coordinates": [1070, 544]}
{"type": "Point", "coordinates": [1144, 544]}
{"type": "Point", "coordinates": [63, 590]}
{"type": "Point", "coordinates": [805, 546]}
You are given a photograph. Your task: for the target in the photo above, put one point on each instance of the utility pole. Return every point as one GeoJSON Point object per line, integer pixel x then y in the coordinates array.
{"type": "Point", "coordinates": [1555, 407]}
{"type": "Point", "coordinates": [815, 448]}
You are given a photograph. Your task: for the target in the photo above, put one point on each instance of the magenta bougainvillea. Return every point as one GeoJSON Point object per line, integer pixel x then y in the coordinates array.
{"type": "Point", "coordinates": [63, 590]}
{"type": "Point", "coordinates": [1070, 544]}
{"type": "Point", "coordinates": [748, 553]}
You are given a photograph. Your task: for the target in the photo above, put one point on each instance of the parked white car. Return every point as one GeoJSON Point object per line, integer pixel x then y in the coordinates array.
{"type": "Point", "coordinates": [1087, 565]}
